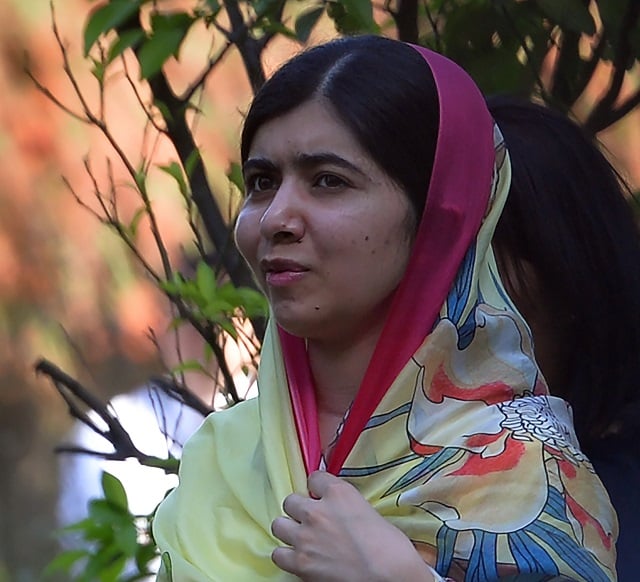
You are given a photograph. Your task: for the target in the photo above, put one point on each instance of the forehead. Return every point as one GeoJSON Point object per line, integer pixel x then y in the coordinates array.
{"type": "Point", "coordinates": [311, 127]}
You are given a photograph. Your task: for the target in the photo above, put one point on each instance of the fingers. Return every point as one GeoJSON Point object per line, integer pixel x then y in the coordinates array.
{"type": "Point", "coordinates": [297, 507]}
{"type": "Point", "coordinates": [319, 482]}
{"type": "Point", "coordinates": [285, 558]}
{"type": "Point", "coordinates": [285, 529]}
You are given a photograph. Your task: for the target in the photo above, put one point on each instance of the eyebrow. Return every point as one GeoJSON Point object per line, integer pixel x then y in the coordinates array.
{"type": "Point", "coordinates": [304, 161]}
{"type": "Point", "coordinates": [258, 164]}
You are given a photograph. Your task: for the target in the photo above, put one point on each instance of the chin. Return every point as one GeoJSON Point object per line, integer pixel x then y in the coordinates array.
{"type": "Point", "coordinates": [298, 324]}
{"type": "Point", "coordinates": [295, 327]}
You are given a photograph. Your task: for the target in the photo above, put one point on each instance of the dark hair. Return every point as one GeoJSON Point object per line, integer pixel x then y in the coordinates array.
{"type": "Point", "coordinates": [381, 89]}
{"type": "Point", "coordinates": [568, 218]}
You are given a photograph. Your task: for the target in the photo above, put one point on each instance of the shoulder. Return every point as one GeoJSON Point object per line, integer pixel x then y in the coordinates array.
{"type": "Point", "coordinates": [218, 427]}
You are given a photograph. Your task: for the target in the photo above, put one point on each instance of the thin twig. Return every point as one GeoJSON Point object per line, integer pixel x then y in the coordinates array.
{"type": "Point", "coordinates": [523, 43]}
{"type": "Point", "coordinates": [434, 27]}
{"type": "Point", "coordinates": [604, 113]}
{"type": "Point", "coordinates": [74, 394]}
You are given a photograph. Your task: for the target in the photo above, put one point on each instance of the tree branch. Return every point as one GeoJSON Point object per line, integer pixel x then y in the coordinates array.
{"type": "Point", "coordinates": [405, 17]}
{"type": "Point", "coordinates": [604, 113]}
{"type": "Point", "coordinates": [76, 395]}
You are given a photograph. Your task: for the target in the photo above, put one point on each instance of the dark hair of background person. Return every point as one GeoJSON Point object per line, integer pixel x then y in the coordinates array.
{"type": "Point", "coordinates": [395, 119]}
{"type": "Point", "coordinates": [568, 223]}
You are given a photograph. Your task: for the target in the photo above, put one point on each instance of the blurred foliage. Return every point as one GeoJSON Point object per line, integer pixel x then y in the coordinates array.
{"type": "Point", "coordinates": [113, 538]}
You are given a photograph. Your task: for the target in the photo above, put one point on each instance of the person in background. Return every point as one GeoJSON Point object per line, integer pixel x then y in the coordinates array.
{"type": "Point", "coordinates": [403, 430]}
{"type": "Point", "coordinates": [568, 249]}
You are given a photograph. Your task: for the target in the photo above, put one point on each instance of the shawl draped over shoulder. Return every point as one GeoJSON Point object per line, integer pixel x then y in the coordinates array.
{"type": "Point", "coordinates": [453, 436]}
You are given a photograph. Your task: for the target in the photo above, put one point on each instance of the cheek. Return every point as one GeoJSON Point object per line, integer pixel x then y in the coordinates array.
{"type": "Point", "coordinates": [384, 253]}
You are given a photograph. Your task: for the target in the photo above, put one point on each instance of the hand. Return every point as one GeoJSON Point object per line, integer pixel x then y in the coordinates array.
{"type": "Point", "coordinates": [335, 535]}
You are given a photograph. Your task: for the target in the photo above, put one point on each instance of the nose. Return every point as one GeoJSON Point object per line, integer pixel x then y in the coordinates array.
{"type": "Point", "coordinates": [283, 220]}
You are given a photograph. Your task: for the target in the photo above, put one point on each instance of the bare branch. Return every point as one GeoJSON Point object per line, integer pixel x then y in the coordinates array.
{"type": "Point", "coordinates": [604, 113]}
{"type": "Point", "coordinates": [533, 66]}
{"type": "Point", "coordinates": [213, 62]}
{"type": "Point", "coordinates": [76, 395]}
{"type": "Point", "coordinates": [182, 394]}
{"type": "Point", "coordinates": [91, 117]}
{"type": "Point", "coordinates": [134, 88]}
{"type": "Point", "coordinates": [49, 95]}
{"type": "Point", "coordinates": [405, 17]}
{"type": "Point", "coordinates": [248, 47]}
{"type": "Point", "coordinates": [434, 27]}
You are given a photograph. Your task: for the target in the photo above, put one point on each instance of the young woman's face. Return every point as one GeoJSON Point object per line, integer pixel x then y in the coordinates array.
{"type": "Point", "coordinates": [326, 232]}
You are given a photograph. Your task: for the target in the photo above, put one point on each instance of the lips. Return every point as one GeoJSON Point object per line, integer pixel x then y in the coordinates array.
{"type": "Point", "coordinates": [280, 272]}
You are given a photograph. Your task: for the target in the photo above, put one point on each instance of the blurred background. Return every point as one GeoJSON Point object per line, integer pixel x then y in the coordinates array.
{"type": "Point", "coordinates": [69, 291]}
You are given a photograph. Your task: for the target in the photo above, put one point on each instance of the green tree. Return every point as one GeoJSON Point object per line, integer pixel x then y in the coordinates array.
{"type": "Point", "coordinates": [542, 48]}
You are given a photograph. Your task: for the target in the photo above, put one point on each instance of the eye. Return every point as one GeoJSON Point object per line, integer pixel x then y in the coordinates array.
{"type": "Point", "coordinates": [257, 183]}
{"type": "Point", "coordinates": [330, 181]}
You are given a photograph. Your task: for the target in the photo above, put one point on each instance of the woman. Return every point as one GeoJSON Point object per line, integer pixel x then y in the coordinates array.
{"type": "Point", "coordinates": [569, 252]}
{"type": "Point", "coordinates": [394, 358]}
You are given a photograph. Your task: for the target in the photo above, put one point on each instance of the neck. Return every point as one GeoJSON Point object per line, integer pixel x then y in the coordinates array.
{"type": "Point", "coordinates": [338, 369]}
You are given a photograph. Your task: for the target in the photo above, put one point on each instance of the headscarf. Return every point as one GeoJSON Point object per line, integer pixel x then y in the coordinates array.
{"type": "Point", "coordinates": [452, 437]}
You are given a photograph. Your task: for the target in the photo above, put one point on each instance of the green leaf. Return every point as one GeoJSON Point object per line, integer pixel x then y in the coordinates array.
{"type": "Point", "coordinates": [169, 287]}
{"type": "Point", "coordinates": [64, 561]}
{"type": "Point", "coordinates": [612, 15]}
{"type": "Point", "coordinates": [127, 39]}
{"type": "Point", "coordinates": [192, 161]}
{"type": "Point", "coordinates": [98, 531]}
{"type": "Point", "coordinates": [229, 328]}
{"type": "Point", "coordinates": [214, 6]}
{"type": "Point", "coordinates": [108, 17]}
{"type": "Point", "coordinates": [266, 7]}
{"type": "Point", "coordinates": [140, 178]}
{"type": "Point", "coordinates": [114, 491]}
{"type": "Point", "coordinates": [98, 70]}
{"type": "Point", "coordinates": [228, 292]}
{"type": "Point", "coordinates": [126, 538]}
{"type": "Point", "coordinates": [103, 512]}
{"type": "Point", "coordinates": [188, 290]}
{"type": "Point", "coordinates": [166, 113]}
{"type": "Point", "coordinates": [352, 16]}
{"type": "Point", "coordinates": [306, 21]}
{"type": "Point", "coordinates": [175, 171]}
{"type": "Point", "coordinates": [144, 554]}
{"type": "Point", "coordinates": [188, 366]}
{"type": "Point", "coordinates": [253, 302]}
{"type": "Point", "coordinates": [111, 572]}
{"type": "Point", "coordinates": [206, 280]}
{"type": "Point", "coordinates": [573, 15]}
{"type": "Point", "coordinates": [275, 26]}
{"type": "Point", "coordinates": [104, 565]}
{"type": "Point", "coordinates": [218, 309]}
{"type": "Point", "coordinates": [207, 352]}
{"type": "Point", "coordinates": [135, 221]}
{"type": "Point", "coordinates": [169, 30]}
{"type": "Point", "coordinates": [468, 32]}
{"type": "Point", "coordinates": [234, 174]}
